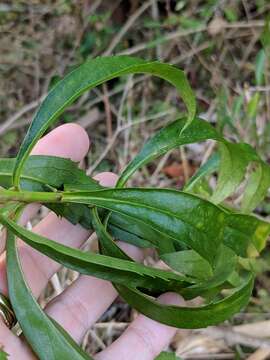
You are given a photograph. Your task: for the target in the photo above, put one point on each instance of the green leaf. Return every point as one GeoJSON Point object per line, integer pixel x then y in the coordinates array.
{"type": "Point", "coordinates": [243, 230]}
{"type": "Point", "coordinates": [42, 173]}
{"type": "Point", "coordinates": [182, 317]}
{"type": "Point", "coordinates": [188, 221]}
{"type": "Point", "coordinates": [140, 232]}
{"type": "Point", "coordinates": [226, 262]}
{"type": "Point", "coordinates": [209, 167]}
{"type": "Point", "coordinates": [3, 355]}
{"type": "Point", "coordinates": [87, 76]}
{"type": "Point", "coordinates": [188, 262]}
{"type": "Point", "coordinates": [47, 341]}
{"type": "Point", "coordinates": [129, 237]}
{"type": "Point", "coordinates": [167, 356]}
{"type": "Point", "coordinates": [234, 158]}
{"type": "Point", "coordinates": [260, 67]}
{"type": "Point", "coordinates": [256, 188]}
{"type": "Point", "coordinates": [265, 36]}
{"type": "Point", "coordinates": [169, 138]}
{"type": "Point", "coordinates": [185, 317]}
{"type": "Point", "coordinates": [252, 106]}
{"type": "Point", "coordinates": [233, 164]}
{"type": "Point", "coordinates": [101, 266]}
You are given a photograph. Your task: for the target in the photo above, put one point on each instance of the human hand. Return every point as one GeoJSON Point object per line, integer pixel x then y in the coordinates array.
{"type": "Point", "coordinates": [83, 302]}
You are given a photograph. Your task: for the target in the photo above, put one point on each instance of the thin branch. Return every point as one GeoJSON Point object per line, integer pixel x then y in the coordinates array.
{"type": "Point", "coordinates": [118, 131]}
{"type": "Point", "coordinates": [233, 337]}
{"type": "Point", "coordinates": [182, 33]}
{"type": "Point", "coordinates": [20, 113]}
{"type": "Point", "coordinates": [115, 41]}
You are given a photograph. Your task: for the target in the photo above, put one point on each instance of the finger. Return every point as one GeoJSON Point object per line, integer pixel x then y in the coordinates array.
{"type": "Point", "coordinates": [37, 267]}
{"type": "Point", "coordinates": [68, 141]}
{"type": "Point", "coordinates": [55, 144]}
{"type": "Point", "coordinates": [82, 303]}
{"type": "Point", "coordinates": [13, 346]}
{"type": "Point", "coordinates": [144, 339]}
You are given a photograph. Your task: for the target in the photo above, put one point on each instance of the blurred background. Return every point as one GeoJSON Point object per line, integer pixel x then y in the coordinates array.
{"type": "Point", "coordinates": [224, 48]}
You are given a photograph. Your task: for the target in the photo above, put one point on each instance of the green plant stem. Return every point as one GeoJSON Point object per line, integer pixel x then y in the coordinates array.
{"type": "Point", "coordinates": [29, 196]}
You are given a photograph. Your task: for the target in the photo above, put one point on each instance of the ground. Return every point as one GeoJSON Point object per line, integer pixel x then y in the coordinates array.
{"type": "Point", "coordinates": [219, 45]}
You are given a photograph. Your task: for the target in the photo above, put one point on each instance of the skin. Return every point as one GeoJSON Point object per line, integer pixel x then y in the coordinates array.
{"type": "Point", "coordinates": [83, 302]}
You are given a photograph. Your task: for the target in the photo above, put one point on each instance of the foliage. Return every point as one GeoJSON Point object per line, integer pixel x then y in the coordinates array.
{"type": "Point", "coordinates": [206, 243]}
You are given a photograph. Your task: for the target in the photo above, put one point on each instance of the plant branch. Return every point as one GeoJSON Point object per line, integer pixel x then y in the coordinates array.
{"type": "Point", "coordinates": [29, 196]}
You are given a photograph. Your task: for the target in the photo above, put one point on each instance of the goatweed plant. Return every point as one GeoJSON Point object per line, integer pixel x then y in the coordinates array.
{"type": "Point", "coordinates": [207, 245]}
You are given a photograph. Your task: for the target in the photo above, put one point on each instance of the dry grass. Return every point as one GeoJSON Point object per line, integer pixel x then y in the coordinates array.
{"type": "Point", "coordinates": [215, 42]}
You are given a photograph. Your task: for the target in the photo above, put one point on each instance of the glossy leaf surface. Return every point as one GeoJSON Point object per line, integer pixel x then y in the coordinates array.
{"type": "Point", "coordinates": [183, 217]}
{"type": "Point", "coordinates": [45, 338]}
{"type": "Point", "coordinates": [104, 267]}
{"type": "Point", "coordinates": [87, 76]}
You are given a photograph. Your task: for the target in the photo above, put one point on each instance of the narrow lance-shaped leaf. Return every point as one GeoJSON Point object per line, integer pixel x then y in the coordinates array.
{"type": "Point", "coordinates": [256, 188]}
{"type": "Point", "coordinates": [87, 76]}
{"type": "Point", "coordinates": [47, 341]}
{"type": "Point", "coordinates": [190, 263]}
{"type": "Point", "coordinates": [169, 138]}
{"type": "Point", "coordinates": [42, 173]}
{"type": "Point", "coordinates": [183, 217]}
{"type": "Point", "coordinates": [239, 230]}
{"type": "Point", "coordinates": [233, 164]}
{"type": "Point", "coordinates": [211, 165]}
{"type": "Point", "coordinates": [182, 317]}
{"type": "Point", "coordinates": [104, 267]}
{"type": "Point", "coordinates": [185, 317]}
{"type": "Point", "coordinates": [243, 230]}
{"type": "Point", "coordinates": [226, 263]}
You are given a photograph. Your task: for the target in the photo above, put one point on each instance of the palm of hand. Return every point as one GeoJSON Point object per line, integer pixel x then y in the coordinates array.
{"type": "Point", "coordinates": [82, 303]}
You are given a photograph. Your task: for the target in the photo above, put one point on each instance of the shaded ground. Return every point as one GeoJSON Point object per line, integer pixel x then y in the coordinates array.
{"type": "Point", "coordinates": [218, 45]}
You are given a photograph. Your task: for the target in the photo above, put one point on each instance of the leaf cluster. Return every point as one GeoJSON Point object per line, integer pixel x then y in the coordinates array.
{"type": "Point", "coordinates": [202, 241]}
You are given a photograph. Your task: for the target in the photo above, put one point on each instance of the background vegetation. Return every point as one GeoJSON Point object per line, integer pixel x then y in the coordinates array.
{"type": "Point", "coordinates": [223, 46]}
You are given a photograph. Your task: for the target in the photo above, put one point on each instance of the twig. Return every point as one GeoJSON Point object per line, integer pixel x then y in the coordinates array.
{"type": "Point", "coordinates": [56, 285]}
{"type": "Point", "coordinates": [159, 167]}
{"type": "Point", "coordinates": [260, 354]}
{"type": "Point", "coordinates": [107, 111]}
{"type": "Point", "coordinates": [94, 6]}
{"type": "Point", "coordinates": [118, 131]}
{"type": "Point", "coordinates": [208, 151]}
{"type": "Point", "coordinates": [20, 113]}
{"type": "Point", "coordinates": [233, 337]}
{"type": "Point", "coordinates": [96, 338]}
{"type": "Point", "coordinates": [209, 356]}
{"type": "Point", "coordinates": [260, 328]}
{"type": "Point", "coordinates": [181, 33]}
{"type": "Point", "coordinates": [125, 28]}
{"type": "Point", "coordinates": [170, 36]}
{"type": "Point", "coordinates": [185, 163]}
{"type": "Point", "coordinates": [259, 88]}
{"type": "Point", "coordinates": [115, 325]}
{"type": "Point", "coordinates": [9, 124]}
{"type": "Point", "coordinates": [155, 15]}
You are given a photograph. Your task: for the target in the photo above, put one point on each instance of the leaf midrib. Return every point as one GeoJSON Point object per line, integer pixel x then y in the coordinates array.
{"type": "Point", "coordinates": [141, 205]}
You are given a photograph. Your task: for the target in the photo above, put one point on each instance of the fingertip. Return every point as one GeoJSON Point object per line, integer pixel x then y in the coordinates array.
{"type": "Point", "coordinates": [69, 141]}
{"type": "Point", "coordinates": [106, 178]}
{"type": "Point", "coordinates": [171, 298]}
{"type": "Point", "coordinates": [133, 251]}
